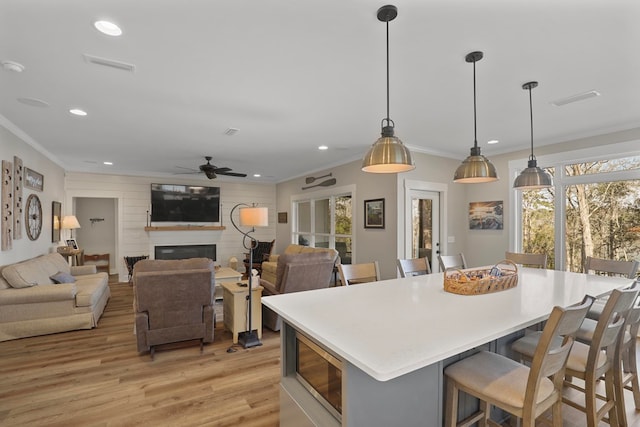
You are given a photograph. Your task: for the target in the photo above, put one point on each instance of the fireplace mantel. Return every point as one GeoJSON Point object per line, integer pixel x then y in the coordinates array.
{"type": "Point", "coordinates": [184, 227]}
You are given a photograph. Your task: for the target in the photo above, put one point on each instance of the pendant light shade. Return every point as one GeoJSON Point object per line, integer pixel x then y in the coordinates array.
{"type": "Point", "coordinates": [533, 177]}
{"type": "Point", "coordinates": [476, 168]}
{"type": "Point", "coordinates": [388, 154]}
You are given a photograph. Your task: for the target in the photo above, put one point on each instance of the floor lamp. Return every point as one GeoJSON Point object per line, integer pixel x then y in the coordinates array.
{"type": "Point", "coordinates": [250, 216]}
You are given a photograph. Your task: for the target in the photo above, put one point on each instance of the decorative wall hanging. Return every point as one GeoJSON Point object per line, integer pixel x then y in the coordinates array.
{"type": "Point", "coordinates": [282, 217]}
{"type": "Point", "coordinates": [94, 220]}
{"type": "Point", "coordinates": [374, 213]}
{"type": "Point", "coordinates": [311, 179]}
{"type": "Point", "coordinates": [17, 198]}
{"type": "Point", "coordinates": [6, 226]}
{"type": "Point", "coordinates": [327, 183]}
{"type": "Point", "coordinates": [486, 215]}
{"type": "Point", "coordinates": [33, 179]}
{"type": "Point", "coordinates": [33, 217]}
{"type": "Point", "coordinates": [56, 219]}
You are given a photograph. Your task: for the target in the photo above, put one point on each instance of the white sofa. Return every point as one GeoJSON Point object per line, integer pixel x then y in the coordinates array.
{"type": "Point", "coordinates": [31, 303]}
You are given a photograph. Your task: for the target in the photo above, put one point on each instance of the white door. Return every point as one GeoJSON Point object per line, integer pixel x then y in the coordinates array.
{"type": "Point", "coordinates": [423, 226]}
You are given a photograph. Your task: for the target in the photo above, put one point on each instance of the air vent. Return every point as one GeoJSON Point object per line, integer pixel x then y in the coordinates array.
{"type": "Point", "coordinates": [576, 98]}
{"type": "Point", "coordinates": [109, 63]}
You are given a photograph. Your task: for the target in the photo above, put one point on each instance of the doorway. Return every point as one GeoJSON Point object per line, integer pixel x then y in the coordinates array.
{"type": "Point", "coordinates": [423, 226]}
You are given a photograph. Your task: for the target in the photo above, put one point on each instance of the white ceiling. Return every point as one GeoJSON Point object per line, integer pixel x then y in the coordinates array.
{"type": "Point", "coordinates": [292, 75]}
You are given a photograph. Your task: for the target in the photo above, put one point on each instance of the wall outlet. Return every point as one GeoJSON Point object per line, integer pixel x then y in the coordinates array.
{"type": "Point", "coordinates": [451, 239]}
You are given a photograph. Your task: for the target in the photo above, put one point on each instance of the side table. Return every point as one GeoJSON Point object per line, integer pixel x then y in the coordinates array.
{"type": "Point", "coordinates": [235, 308]}
{"type": "Point", "coordinates": [225, 274]}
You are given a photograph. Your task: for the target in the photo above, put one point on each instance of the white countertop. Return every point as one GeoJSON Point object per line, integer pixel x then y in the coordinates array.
{"type": "Point", "coordinates": [393, 327]}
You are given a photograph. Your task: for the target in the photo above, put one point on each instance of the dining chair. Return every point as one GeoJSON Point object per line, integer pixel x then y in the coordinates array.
{"type": "Point", "coordinates": [450, 261]}
{"type": "Point", "coordinates": [593, 361]}
{"type": "Point", "coordinates": [352, 274]}
{"type": "Point", "coordinates": [610, 267]}
{"type": "Point", "coordinates": [523, 391]}
{"type": "Point", "coordinates": [413, 267]}
{"type": "Point", "coordinates": [527, 260]}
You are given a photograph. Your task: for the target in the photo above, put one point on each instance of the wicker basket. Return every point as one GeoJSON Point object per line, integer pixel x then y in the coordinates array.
{"type": "Point", "coordinates": [481, 281]}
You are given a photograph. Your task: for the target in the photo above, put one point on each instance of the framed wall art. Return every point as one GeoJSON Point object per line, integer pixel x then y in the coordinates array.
{"type": "Point", "coordinates": [374, 213]}
{"type": "Point", "coordinates": [56, 210]}
{"type": "Point", "coordinates": [282, 217]}
{"type": "Point", "coordinates": [33, 179]}
{"type": "Point", "coordinates": [486, 215]}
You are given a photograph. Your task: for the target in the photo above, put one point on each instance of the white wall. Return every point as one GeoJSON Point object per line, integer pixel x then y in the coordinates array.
{"type": "Point", "coordinates": [97, 237]}
{"type": "Point", "coordinates": [10, 146]}
{"type": "Point", "coordinates": [133, 195]}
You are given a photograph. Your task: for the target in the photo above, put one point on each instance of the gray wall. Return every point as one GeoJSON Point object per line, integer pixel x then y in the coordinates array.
{"type": "Point", "coordinates": [10, 146]}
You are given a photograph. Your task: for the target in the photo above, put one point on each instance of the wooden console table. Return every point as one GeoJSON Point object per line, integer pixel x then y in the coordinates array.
{"type": "Point", "coordinates": [184, 227]}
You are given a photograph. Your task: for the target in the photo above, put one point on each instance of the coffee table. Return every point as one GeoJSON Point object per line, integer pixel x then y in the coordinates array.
{"type": "Point", "coordinates": [225, 274]}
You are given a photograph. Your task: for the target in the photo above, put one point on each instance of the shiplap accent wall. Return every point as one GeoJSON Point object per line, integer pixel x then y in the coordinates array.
{"type": "Point", "coordinates": [133, 195]}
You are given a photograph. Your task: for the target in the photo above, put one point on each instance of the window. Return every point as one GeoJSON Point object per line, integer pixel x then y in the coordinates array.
{"type": "Point", "coordinates": [597, 214]}
{"type": "Point", "coordinates": [325, 221]}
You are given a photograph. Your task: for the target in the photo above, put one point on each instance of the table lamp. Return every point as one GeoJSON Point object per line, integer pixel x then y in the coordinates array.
{"type": "Point", "coordinates": [250, 216]}
{"type": "Point", "coordinates": [70, 222]}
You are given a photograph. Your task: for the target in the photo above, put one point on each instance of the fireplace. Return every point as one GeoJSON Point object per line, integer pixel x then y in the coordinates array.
{"type": "Point", "coordinates": [185, 251]}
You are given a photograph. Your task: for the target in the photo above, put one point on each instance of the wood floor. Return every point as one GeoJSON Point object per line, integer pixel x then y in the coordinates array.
{"type": "Point", "coordinates": [97, 378]}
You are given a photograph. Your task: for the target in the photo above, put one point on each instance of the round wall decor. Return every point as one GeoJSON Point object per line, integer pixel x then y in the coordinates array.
{"type": "Point", "coordinates": [33, 217]}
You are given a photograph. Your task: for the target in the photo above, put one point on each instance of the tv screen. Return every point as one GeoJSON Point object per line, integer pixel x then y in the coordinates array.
{"type": "Point", "coordinates": [184, 203]}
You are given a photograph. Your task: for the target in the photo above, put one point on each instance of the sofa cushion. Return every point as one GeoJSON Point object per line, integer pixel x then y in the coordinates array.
{"type": "Point", "coordinates": [62, 277]}
{"type": "Point", "coordinates": [25, 274]}
{"type": "Point", "coordinates": [91, 288]}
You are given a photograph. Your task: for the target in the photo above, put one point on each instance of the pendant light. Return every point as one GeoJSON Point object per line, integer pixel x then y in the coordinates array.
{"type": "Point", "coordinates": [388, 154]}
{"type": "Point", "coordinates": [533, 177]}
{"type": "Point", "coordinates": [476, 168]}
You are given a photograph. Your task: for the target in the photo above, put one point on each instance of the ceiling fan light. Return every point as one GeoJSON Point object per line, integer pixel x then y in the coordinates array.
{"type": "Point", "coordinates": [475, 169]}
{"type": "Point", "coordinates": [388, 155]}
{"type": "Point", "coordinates": [533, 178]}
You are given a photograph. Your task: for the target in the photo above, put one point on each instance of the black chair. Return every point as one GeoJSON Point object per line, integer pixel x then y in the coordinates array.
{"type": "Point", "coordinates": [130, 261]}
{"type": "Point", "coordinates": [261, 252]}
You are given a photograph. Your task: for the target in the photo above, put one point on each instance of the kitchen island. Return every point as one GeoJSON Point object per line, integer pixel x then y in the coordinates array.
{"type": "Point", "coordinates": [389, 342]}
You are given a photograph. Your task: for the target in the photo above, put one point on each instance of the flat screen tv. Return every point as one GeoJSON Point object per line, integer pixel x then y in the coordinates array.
{"type": "Point", "coordinates": [184, 203]}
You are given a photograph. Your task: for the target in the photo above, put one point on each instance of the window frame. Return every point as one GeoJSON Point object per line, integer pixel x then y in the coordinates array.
{"type": "Point", "coordinates": [331, 194]}
{"type": "Point", "coordinates": [561, 181]}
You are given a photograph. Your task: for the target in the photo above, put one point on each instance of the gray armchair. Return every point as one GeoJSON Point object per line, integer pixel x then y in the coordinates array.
{"type": "Point", "coordinates": [173, 301]}
{"type": "Point", "coordinates": [296, 273]}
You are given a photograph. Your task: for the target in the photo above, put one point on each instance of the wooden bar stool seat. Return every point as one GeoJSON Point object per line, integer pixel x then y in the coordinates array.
{"type": "Point", "coordinates": [525, 392]}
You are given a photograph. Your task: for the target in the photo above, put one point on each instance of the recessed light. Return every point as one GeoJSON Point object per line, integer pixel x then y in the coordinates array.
{"type": "Point", "coordinates": [493, 141]}
{"type": "Point", "coordinates": [323, 147]}
{"type": "Point", "coordinates": [108, 28]}
{"type": "Point", "coordinates": [78, 112]}
{"type": "Point", "coordinates": [256, 175]}
{"type": "Point", "coordinates": [12, 66]}
{"type": "Point", "coordinates": [107, 163]}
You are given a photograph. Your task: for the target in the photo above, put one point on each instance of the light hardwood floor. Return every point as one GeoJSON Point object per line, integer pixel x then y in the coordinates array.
{"type": "Point", "coordinates": [97, 378]}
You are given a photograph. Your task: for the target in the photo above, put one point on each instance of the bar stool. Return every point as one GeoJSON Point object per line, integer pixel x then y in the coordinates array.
{"type": "Point", "coordinates": [526, 392]}
{"type": "Point", "coordinates": [590, 362]}
{"type": "Point", "coordinates": [413, 267]}
{"type": "Point", "coordinates": [351, 274]}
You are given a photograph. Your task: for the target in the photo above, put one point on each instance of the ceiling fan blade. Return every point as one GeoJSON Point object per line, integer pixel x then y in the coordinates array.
{"type": "Point", "coordinates": [218, 170]}
{"type": "Point", "coordinates": [231, 174]}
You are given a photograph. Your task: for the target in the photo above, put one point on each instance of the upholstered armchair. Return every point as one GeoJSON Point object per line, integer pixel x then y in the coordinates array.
{"type": "Point", "coordinates": [173, 301]}
{"type": "Point", "coordinates": [296, 273]}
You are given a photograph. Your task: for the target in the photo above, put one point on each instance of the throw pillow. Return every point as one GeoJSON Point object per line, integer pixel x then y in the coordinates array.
{"type": "Point", "coordinates": [62, 277]}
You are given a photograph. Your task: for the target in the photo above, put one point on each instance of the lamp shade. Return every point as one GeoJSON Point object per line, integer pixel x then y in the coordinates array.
{"type": "Point", "coordinates": [388, 155]}
{"type": "Point", "coordinates": [533, 178]}
{"type": "Point", "coordinates": [70, 222]}
{"type": "Point", "coordinates": [475, 169]}
{"type": "Point", "coordinates": [254, 217]}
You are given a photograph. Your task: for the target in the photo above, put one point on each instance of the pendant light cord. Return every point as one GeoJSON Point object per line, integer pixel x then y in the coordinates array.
{"type": "Point", "coordinates": [531, 116]}
{"type": "Point", "coordinates": [388, 120]}
{"type": "Point", "coordinates": [475, 126]}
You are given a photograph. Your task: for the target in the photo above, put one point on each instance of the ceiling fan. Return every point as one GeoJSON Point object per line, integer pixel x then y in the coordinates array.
{"type": "Point", "coordinates": [211, 171]}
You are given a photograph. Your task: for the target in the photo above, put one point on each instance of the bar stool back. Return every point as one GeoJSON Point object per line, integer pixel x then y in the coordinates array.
{"type": "Point", "coordinates": [450, 261]}
{"type": "Point", "coordinates": [413, 267]}
{"type": "Point", "coordinates": [527, 260]}
{"type": "Point", "coordinates": [525, 392]}
{"type": "Point", "coordinates": [590, 362]}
